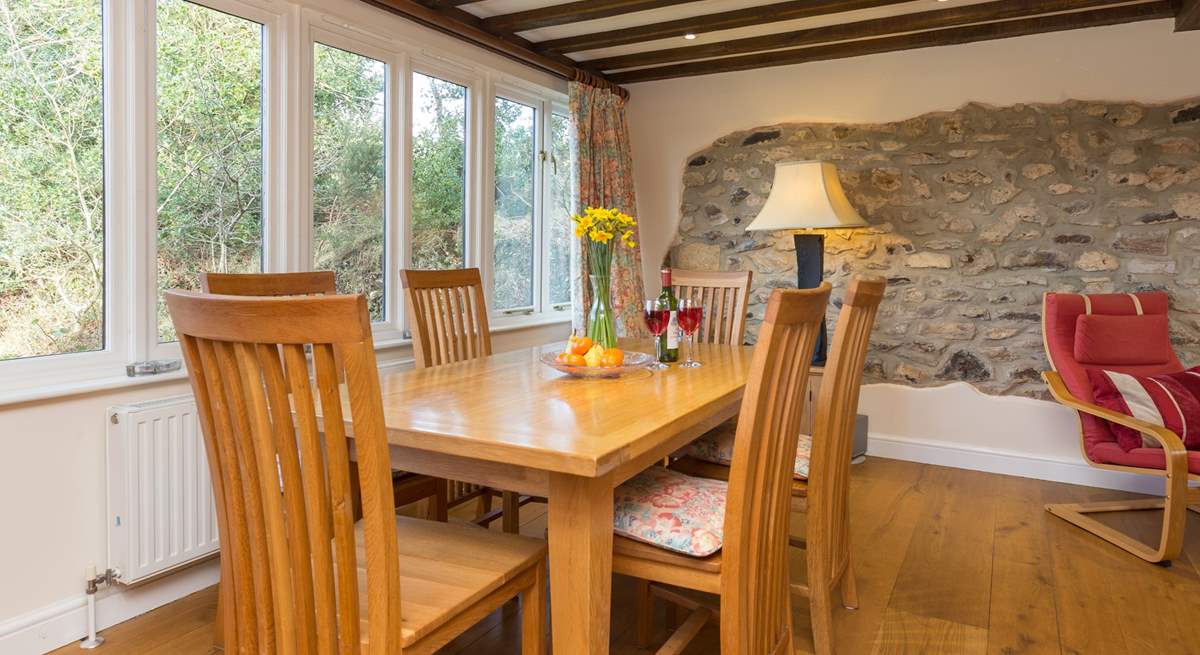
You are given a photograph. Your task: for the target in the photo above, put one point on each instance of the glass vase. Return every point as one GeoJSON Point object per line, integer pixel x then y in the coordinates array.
{"type": "Point", "coordinates": [602, 327]}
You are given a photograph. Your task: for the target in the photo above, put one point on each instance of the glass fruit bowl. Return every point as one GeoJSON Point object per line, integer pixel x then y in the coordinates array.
{"type": "Point", "coordinates": [633, 361]}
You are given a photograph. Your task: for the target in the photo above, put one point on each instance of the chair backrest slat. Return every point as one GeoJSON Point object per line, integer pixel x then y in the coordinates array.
{"type": "Point", "coordinates": [754, 581]}
{"type": "Point", "coordinates": [447, 315]}
{"type": "Point", "coordinates": [282, 477]}
{"type": "Point", "coordinates": [724, 297]}
{"type": "Point", "coordinates": [833, 428]}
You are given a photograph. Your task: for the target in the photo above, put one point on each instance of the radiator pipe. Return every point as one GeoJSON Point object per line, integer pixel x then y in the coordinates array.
{"type": "Point", "coordinates": [93, 581]}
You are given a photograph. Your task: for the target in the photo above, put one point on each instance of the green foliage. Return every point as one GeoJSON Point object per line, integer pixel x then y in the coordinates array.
{"type": "Point", "coordinates": [514, 204]}
{"type": "Point", "coordinates": [210, 114]}
{"type": "Point", "coordinates": [349, 171]}
{"type": "Point", "coordinates": [439, 161]}
{"type": "Point", "coordinates": [51, 178]}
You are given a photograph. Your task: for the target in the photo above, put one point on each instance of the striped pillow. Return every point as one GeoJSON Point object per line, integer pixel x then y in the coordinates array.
{"type": "Point", "coordinates": [1171, 400]}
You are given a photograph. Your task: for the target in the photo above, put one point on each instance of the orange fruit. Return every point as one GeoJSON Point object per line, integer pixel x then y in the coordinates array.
{"type": "Point", "coordinates": [612, 357]}
{"type": "Point", "coordinates": [580, 346]}
{"type": "Point", "coordinates": [573, 360]}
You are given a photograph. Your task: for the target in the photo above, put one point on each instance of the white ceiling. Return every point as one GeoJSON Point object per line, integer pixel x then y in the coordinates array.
{"type": "Point", "coordinates": [488, 8]}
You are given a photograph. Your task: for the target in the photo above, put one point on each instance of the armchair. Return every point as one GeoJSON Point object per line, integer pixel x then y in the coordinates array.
{"type": "Point", "coordinates": [1141, 353]}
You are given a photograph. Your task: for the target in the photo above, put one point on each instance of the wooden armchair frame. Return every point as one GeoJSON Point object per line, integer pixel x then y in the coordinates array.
{"type": "Point", "coordinates": [1177, 500]}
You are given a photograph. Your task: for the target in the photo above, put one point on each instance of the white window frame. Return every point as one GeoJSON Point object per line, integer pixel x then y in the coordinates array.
{"type": "Point", "coordinates": [549, 308]}
{"type": "Point", "coordinates": [290, 27]}
{"type": "Point", "coordinates": [545, 105]}
{"type": "Point", "coordinates": [273, 228]}
{"type": "Point", "coordinates": [390, 328]}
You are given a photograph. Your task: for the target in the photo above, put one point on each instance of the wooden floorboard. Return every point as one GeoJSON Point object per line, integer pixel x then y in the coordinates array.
{"type": "Point", "coordinates": [948, 561]}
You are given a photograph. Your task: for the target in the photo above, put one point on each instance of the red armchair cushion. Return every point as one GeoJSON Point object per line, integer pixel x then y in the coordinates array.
{"type": "Point", "coordinates": [1059, 319]}
{"type": "Point", "coordinates": [1122, 340]}
{"type": "Point", "coordinates": [1167, 400]}
{"type": "Point", "coordinates": [1145, 458]}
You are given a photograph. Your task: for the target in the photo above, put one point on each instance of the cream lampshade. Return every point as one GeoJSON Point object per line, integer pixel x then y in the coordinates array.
{"type": "Point", "coordinates": [807, 195]}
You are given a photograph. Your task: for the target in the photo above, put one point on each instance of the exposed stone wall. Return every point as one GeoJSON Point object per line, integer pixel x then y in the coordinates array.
{"type": "Point", "coordinates": [974, 213]}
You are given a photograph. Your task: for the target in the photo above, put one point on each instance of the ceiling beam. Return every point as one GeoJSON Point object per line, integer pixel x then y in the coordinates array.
{"type": "Point", "coordinates": [952, 36]}
{"type": "Point", "coordinates": [466, 29]}
{"type": "Point", "coordinates": [1187, 15]}
{"type": "Point", "coordinates": [572, 12]}
{"type": "Point", "coordinates": [710, 23]}
{"type": "Point", "coordinates": [876, 27]}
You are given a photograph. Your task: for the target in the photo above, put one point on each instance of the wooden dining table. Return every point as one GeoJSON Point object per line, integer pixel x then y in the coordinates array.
{"type": "Point", "coordinates": [509, 422]}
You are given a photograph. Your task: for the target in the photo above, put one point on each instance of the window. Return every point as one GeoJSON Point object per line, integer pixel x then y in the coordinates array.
{"type": "Point", "coordinates": [144, 142]}
{"type": "Point", "coordinates": [439, 172]}
{"type": "Point", "coordinates": [349, 115]}
{"type": "Point", "coordinates": [560, 205]}
{"type": "Point", "coordinates": [51, 178]}
{"type": "Point", "coordinates": [210, 156]}
{"type": "Point", "coordinates": [514, 207]}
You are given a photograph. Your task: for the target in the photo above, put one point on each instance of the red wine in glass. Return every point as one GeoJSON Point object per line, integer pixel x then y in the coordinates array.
{"type": "Point", "coordinates": [689, 319]}
{"type": "Point", "coordinates": [689, 316]}
{"type": "Point", "coordinates": [658, 316]}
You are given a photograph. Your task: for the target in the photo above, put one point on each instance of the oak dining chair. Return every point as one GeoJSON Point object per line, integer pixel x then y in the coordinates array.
{"type": "Point", "coordinates": [724, 297]}
{"type": "Point", "coordinates": [406, 487]}
{"type": "Point", "coordinates": [668, 523]}
{"type": "Point", "coordinates": [821, 473]}
{"type": "Point", "coordinates": [306, 577]}
{"type": "Point", "coordinates": [449, 323]}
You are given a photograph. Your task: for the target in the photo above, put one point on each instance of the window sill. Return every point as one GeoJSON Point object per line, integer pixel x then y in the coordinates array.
{"type": "Point", "coordinates": [76, 388]}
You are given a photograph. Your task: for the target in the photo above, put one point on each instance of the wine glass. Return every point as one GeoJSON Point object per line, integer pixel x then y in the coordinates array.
{"type": "Point", "coordinates": [657, 315]}
{"type": "Point", "coordinates": [690, 313]}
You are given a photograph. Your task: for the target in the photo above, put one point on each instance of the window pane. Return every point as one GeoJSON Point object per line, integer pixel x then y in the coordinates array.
{"type": "Point", "coordinates": [349, 171]}
{"type": "Point", "coordinates": [513, 218]}
{"type": "Point", "coordinates": [209, 146]}
{"type": "Point", "coordinates": [439, 163]}
{"type": "Point", "coordinates": [559, 210]}
{"type": "Point", "coordinates": [51, 178]}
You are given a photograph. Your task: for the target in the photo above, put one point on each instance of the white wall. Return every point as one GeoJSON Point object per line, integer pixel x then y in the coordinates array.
{"type": "Point", "coordinates": [955, 425]}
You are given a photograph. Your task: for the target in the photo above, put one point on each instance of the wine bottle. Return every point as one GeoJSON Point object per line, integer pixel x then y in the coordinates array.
{"type": "Point", "coordinates": [668, 342]}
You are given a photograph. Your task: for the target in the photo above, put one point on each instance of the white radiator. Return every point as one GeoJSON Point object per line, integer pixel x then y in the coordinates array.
{"type": "Point", "coordinates": [161, 514]}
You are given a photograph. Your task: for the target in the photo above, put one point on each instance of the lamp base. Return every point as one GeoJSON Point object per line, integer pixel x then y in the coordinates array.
{"type": "Point", "coordinates": [810, 268]}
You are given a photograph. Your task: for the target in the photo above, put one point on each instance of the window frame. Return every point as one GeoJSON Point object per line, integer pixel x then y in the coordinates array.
{"type": "Point", "coordinates": [545, 104]}
{"type": "Point", "coordinates": [289, 30]}
{"type": "Point", "coordinates": [390, 328]}
{"type": "Point", "coordinates": [273, 227]}
{"type": "Point", "coordinates": [555, 108]}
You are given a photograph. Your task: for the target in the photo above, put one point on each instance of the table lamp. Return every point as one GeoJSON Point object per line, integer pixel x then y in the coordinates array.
{"type": "Point", "coordinates": [807, 195]}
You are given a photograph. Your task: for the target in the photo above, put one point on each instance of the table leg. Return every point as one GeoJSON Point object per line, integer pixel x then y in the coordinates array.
{"type": "Point", "coordinates": [581, 538]}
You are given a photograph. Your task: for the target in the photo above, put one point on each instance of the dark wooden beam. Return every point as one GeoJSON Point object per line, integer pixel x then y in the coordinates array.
{"type": "Point", "coordinates": [710, 23]}
{"type": "Point", "coordinates": [877, 27]}
{"type": "Point", "coordinates": [1056, 23]}
{"type": "Point", "coordinates": [1187, 15]}
{"type": "Point", "coordinates": [572, 12]}
{"type": "Point", "coordinates": [460, 25]}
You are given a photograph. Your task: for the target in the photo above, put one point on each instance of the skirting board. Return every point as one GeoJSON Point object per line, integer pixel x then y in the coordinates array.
{"type": "Point", "coordinates": [64, 622]}
{"type": "Point", "coordinates": [1008, 462]}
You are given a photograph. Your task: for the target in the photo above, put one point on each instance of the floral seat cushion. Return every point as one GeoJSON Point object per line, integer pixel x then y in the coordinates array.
{"type": "Point", "coordinates": [717, 447]}
{"type": "Point", "coordinates": [671, 510]}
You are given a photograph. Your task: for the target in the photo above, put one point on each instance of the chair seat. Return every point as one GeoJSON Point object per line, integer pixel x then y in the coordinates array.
{"type": "Point", "coordinates": [672, 510]}
{"type": "Point", "coordinates": [1147, 458]}
{"type": "Point", "coordinates": [445, 568]}
{"type": "Point", "coordinates": [717, 447]}
{"type": "Point", "coordinates": [629, 548]}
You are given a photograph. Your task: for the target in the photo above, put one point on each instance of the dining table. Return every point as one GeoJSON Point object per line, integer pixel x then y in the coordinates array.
{"type": "Point", "coordinates": [507, 421]}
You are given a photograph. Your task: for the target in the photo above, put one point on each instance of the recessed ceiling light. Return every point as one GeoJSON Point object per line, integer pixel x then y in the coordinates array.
{"type": "Point", "coordinates": [689, 36]}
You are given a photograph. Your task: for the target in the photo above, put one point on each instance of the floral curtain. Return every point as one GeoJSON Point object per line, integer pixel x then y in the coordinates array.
{"type": "Point", "coordinates": [605, 176]}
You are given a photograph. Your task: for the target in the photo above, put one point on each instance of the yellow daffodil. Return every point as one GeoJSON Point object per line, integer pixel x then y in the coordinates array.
{"type": "Point", "coordinates": [601, 225]}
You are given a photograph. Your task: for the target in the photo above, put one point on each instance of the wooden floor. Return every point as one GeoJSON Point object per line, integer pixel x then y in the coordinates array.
{"type": "Point", "coordinates": [948, 561]}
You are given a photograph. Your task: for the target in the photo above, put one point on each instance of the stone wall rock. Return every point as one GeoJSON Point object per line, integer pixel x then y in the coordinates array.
{"type": "Point", "coordinates": [974, 214]}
